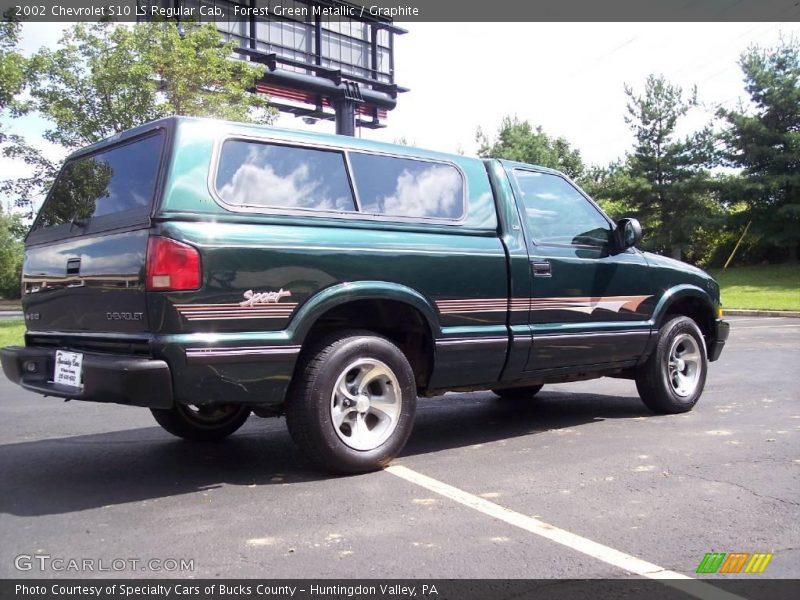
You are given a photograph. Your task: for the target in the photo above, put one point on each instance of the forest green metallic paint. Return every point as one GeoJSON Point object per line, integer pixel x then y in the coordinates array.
{"type": "Point", "coordinates": [488, 321]}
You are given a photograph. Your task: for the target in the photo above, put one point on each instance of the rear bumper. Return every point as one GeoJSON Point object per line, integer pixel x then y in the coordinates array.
{"type": "Point", "coordinates": [720, 333]}
{"type": "Point", "coordinates": [130, 380]}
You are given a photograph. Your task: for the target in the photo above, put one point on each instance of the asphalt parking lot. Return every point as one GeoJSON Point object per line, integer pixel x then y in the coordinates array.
{"type": "Point", "coordinates": [88, 481]}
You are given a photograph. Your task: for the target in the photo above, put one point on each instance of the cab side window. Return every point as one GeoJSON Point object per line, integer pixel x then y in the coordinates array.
{"type": "Point", "coordinates": [557, 213]}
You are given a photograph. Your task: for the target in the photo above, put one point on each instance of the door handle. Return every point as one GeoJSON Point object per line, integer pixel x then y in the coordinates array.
{"type": "Point", "coordinates": [541, 269]}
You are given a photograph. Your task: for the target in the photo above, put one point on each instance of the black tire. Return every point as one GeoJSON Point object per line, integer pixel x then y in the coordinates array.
{"type": "Point", "coordinates": [654, 379]}
{"type": "Point", "coordinates": [520, 393]}
{"type": "Point", "coordinates": [311, 402]}
{"type": "Point", "coordinates": [202, 423]}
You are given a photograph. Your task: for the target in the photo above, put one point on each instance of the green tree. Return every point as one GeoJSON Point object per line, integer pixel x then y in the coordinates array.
{"type": "Point", "coordinates": [105, 78]}
{"type": "Point", "coordinates": [26, 190]}
{"type": "Point", "coordinates": [520, 141]}
{"type": "Point", "coordinates": [12, 232]}
{"type": "Point", "coordinates": [666, 181]}
{"type": "Point", "coordinates": [12, 67]}
{"type": "Point", "coordinates": [612, 188]}
{"type": "Point", "coordinates": [763, 140]}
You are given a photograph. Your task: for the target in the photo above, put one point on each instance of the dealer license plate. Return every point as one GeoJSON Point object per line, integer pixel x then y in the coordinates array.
{"type": "Point", "coordinates": [68, 369]}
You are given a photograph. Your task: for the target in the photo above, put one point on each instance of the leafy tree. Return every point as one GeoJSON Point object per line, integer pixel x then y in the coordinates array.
{"type": "Point", "coordinates": [520, 141]}
{"type": "Point", "coordinates": [26, 190]}
{"type": "Point", "coordinates": [763, 140]}
{"type": "Point", "coordinates": [12, 67]}
{"type": "Point", "coordinates": [665, 179]}
{"type": "Point", "coordinates": [12, 232]}
{"type": "Point", "coordinates": [612, 188]}
{"type": "Point", "coordinates": [105, 78]}
{"type": "Point", "coordinates": [13, 79]}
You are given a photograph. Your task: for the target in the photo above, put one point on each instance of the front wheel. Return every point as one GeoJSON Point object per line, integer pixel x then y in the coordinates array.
{"type": "Point", "coordinates": [673, 378]}
{"type": "Point", "coordinates": [352, 403]}
{"type": "Point", "coordinates": [202, 423]}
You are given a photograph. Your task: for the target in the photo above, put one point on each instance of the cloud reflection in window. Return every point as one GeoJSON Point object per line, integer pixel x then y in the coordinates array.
{"type": "Point", "coordinates": [408, 188]}
{"type": "Point", "coordinates": [260, 175]}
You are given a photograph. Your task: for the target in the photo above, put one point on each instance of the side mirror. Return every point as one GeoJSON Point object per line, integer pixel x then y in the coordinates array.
{"type": "Point", "coordinates": [629, 232]}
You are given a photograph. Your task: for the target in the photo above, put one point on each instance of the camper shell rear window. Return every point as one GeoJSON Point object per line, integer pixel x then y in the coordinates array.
{"type": "Point", "coordinates": [106, 189]}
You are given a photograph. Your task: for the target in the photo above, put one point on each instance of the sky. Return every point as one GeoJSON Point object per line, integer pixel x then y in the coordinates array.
{"type": "Point", "coordinates": [567, 77]}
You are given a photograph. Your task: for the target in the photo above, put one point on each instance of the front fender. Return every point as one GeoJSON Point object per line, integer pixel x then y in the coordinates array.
{"type": "Point", "coordinates": [676, 294]}
{"type": "Point", "coordinates": [342, 293]}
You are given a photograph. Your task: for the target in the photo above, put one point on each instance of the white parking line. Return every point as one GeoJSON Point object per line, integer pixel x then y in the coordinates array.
{"type": "Point", "coordinates": [608, 555]}
{"type": "Point", "coordinates": [765, 326]}
{"type": "Point", "coordinates": [743, 319]}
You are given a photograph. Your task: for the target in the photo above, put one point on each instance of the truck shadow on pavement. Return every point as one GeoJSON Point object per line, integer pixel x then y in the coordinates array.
{"type": "Point", "coordinates": [63, 475]}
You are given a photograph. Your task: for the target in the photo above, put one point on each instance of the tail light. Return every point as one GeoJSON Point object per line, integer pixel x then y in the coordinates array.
{"type": "Point", "coordinates": [171, 265]}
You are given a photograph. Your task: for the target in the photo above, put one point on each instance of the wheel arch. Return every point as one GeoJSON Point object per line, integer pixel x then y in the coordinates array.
{"type": "Point", "coordinates": [397, 312]}
{"type": "Point", "coordinates": [689, 301]}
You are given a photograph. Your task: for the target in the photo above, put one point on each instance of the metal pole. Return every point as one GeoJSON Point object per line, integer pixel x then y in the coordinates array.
{"type": "Point", "coordinates": [345, 116]}
{"type": "Point", "coordinates": [736, 247]}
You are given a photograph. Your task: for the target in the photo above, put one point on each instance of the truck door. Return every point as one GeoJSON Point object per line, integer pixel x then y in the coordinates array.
{"type": "Point", "coordinates": [589, 306]}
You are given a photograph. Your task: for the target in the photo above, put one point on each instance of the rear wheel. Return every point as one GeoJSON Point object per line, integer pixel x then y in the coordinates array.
{"type": "Point", "coordinates": [202, 423]}
{"type": "Point", "coordinates": [673, 378]}
{"type": "Point", "coordinates": [520, 393]}
{"type": "Point", "coordinates": [352, 403]}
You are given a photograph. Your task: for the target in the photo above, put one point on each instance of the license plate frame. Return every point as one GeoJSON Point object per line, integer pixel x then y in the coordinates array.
{"type": "Point", "coordinates": [68, 369]}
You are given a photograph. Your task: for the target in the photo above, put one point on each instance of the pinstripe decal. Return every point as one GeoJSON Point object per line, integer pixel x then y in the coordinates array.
{"type": "Point", "coordinates": [283, 310]}
{"type": "Point", "coordinates": [495, 338]}
{"type": "Point", "coordinates": [211, 354]}
{"type": "Point", "coordinates": [469, 341]}
{"type": "Point", "coordinates": [586, 304]}
{"type": "Point", "coordinates": [208, 312]}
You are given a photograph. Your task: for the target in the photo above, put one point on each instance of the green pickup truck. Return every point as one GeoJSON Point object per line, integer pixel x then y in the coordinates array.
{"type": "Point", "coordinates": [209, 270]}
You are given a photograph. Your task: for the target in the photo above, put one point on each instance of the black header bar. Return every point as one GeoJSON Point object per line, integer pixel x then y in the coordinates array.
{"type": "Point", "coordinates": [396, 589]}
{"type": "Point", "coordinates": [401, 11]}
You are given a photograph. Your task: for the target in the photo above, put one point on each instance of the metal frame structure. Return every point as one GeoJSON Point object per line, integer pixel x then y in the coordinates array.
{"type": "Point", "coordinates": [319, 65]}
